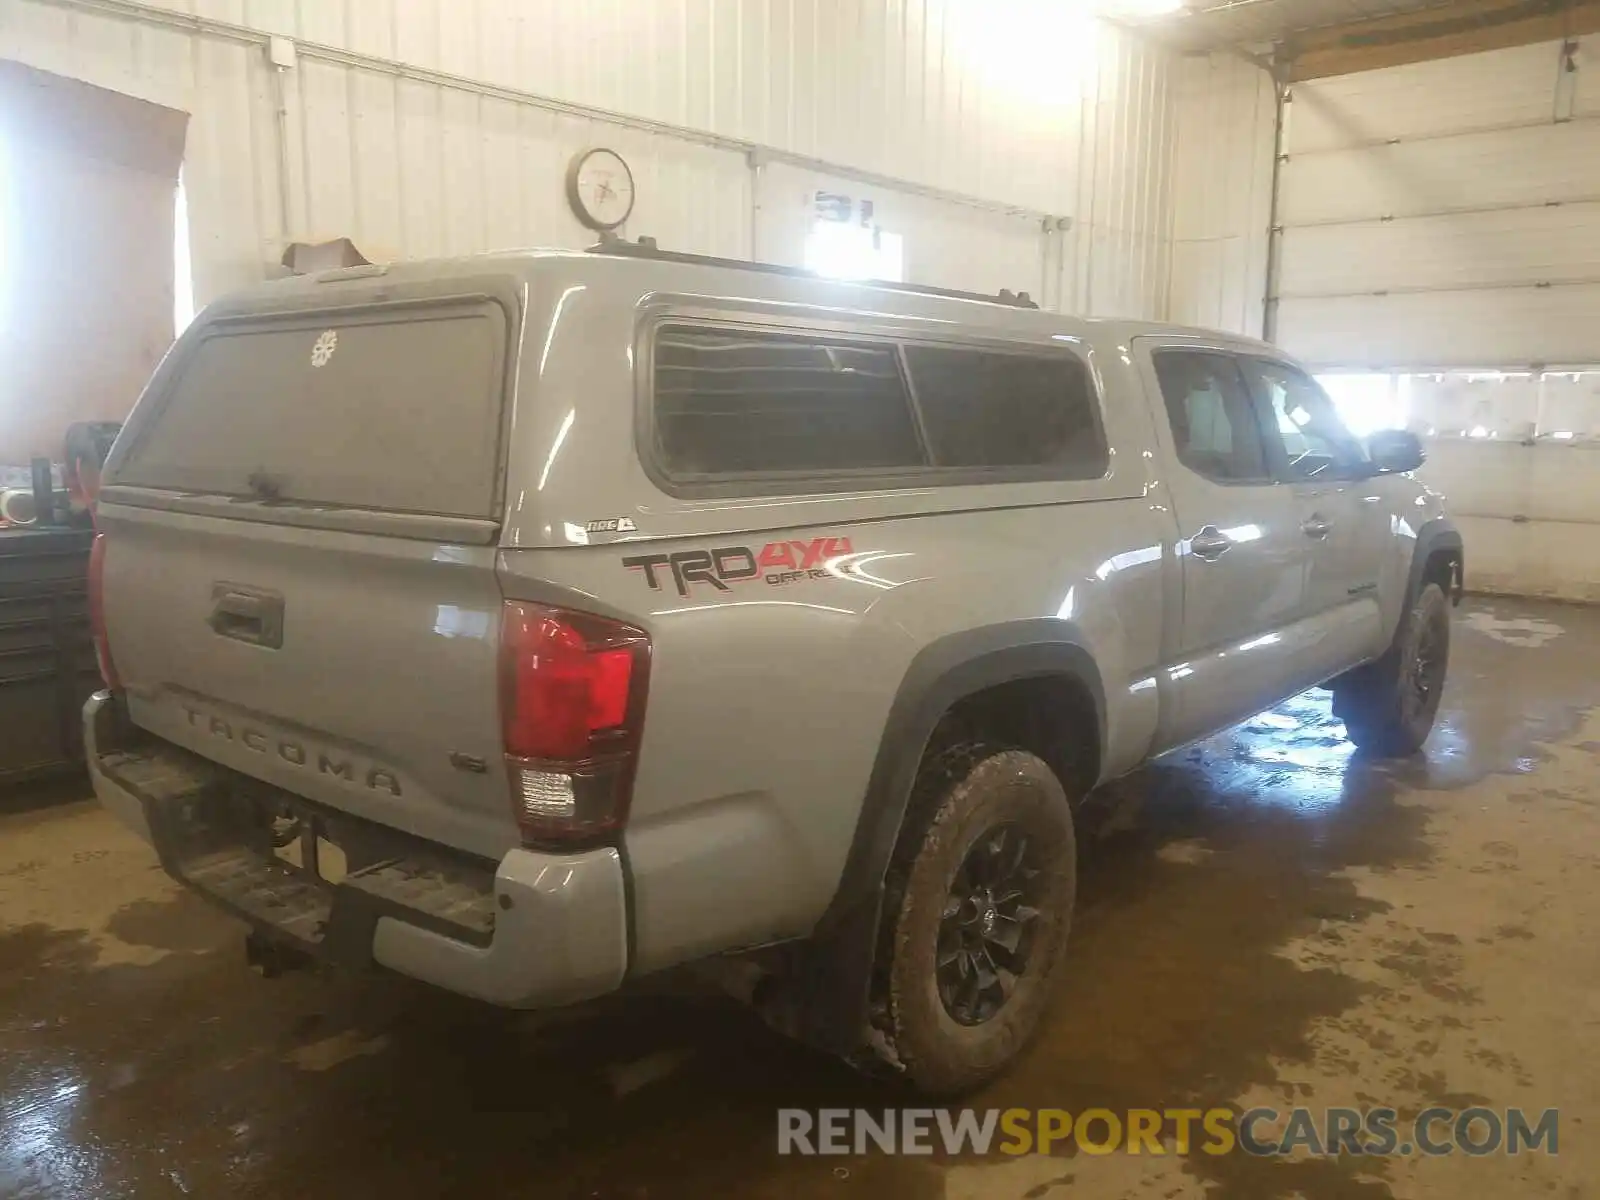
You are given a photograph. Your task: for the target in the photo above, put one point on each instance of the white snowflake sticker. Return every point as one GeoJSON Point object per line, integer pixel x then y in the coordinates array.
{"type": "Point", "coordinates": [327, 343]}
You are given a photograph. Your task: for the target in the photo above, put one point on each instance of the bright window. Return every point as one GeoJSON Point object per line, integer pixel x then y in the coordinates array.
{"type": "Point", "coordinates": [1366, 402]}
{"type": "Point", "coordinates": [6, 218]}
{"type": "Point", "coordinates": [845, 251]}
{"type": "Point", "coordinates": [182, 264]}
{"type": "Point", "coordinates": [1561, 405]}
{"type": "Point", "coordinates": [1311, 429]}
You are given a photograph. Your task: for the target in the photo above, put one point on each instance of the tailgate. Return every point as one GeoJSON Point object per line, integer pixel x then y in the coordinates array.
{"type": "Point", "coordinates": [299, 571]}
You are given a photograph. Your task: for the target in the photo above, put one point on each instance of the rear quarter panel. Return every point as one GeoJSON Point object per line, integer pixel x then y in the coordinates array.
{"type": "Point", "coordinates": [769, 694]}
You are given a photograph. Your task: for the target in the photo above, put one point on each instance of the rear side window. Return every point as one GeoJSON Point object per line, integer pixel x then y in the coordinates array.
{"type": "Point", "coordinates": [984, 408]}
{"type": "Point", "coordinates": [1214, 425]}
{"type": "Point", "coordinates": [369, 410]}
{"type": "Point", "coordinates": [742, 403]}
{"type": "Point", "coordinates": [748, 404]}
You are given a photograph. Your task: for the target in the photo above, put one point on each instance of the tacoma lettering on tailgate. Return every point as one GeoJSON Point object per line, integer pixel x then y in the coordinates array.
{"type": "Point", "coordinates": [294, 753]}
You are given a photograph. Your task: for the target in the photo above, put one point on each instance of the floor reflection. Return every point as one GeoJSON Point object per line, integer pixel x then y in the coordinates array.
{"type": "Point", "coordinates": [181, 1072]}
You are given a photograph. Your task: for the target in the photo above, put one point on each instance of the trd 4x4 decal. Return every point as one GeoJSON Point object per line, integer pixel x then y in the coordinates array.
{"type": "Point", "coordinates": [776, 563]}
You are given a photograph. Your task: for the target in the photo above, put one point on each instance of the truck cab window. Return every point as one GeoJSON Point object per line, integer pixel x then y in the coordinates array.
{"type": "Point", "coordinates": [1316, 444]}
{"type": "Point", "coordinates": [1214, 426]}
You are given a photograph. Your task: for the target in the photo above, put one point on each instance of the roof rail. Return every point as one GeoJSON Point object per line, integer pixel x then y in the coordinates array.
{"type": "Point", "coordinates": [646, 247]}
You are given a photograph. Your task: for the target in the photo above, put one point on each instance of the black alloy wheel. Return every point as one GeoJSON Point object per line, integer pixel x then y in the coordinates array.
{"type": "Point", "coordinates": [985, 930]}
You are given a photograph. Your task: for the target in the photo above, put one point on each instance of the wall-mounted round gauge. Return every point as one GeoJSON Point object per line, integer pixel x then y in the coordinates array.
{"type": "Point", "coordinates": [600, 188]}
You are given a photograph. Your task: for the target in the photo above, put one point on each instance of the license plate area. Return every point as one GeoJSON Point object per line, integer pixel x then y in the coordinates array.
{"type": "Point", "coordinates": [301, 841]}
{"type": "Point", "coordinates": [363, 867]}
{"type": "Point", "coordinates": [316, 876]}
{"type": "Point", "coordinates": [323, 847]}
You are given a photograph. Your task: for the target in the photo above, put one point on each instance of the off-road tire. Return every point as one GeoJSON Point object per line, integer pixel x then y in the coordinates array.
{"type": "Point", "coordinates": [1388, 707]}
{"type": "Point", "coordinates": [963, 794]}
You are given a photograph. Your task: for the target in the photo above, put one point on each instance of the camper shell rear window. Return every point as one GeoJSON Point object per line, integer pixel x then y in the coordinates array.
{"type": "Point", "coordinates": [392, 408]}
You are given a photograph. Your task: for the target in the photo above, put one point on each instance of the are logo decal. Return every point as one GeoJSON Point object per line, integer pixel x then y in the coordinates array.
{"type": "Point", "coordinates": [775, 564]}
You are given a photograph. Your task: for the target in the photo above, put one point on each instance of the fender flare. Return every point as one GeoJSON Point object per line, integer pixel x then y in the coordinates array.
{"type": "Point", "coordinates": [836, 975]}
{"type": "Point", "coordinates": [1437, 534]}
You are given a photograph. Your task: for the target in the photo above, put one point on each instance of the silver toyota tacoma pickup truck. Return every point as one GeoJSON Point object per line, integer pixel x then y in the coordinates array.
{"type": "Point", "coordinates": [532, 623]}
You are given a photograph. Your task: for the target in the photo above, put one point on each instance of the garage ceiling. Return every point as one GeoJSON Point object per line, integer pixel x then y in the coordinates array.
{"type": "Point", "coordinates": [1208, 24]}
{"type": "Point", "coordinates": [1329, 37]}
{"type": "Point", "coordinates": [1212, 26]}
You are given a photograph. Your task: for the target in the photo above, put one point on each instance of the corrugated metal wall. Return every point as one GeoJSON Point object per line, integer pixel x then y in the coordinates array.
{"type": "Point", "coordinates": [422, 127]}
{"type": "Point", "coordinates": [1118, 256]}
{"type": "Point", "coordinates": [1222, 185]}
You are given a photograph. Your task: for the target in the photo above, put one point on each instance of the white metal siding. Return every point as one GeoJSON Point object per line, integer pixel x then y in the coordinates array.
{"type": "Point", "coordinates": [1222, 193]}
{"type": "Point", "coordinates": [415, 170]}
{"type": "Point", "coordinates": [895, 86]}
{"type": "Point", "coordinates": [1117, 257]}
{"type": "Point", "coordinates": [416, 128]}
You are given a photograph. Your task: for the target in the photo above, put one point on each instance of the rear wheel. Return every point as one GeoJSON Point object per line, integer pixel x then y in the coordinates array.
{"type": "Point", "coordinates": [980, 904]}
{"type": "Point", "coordinates": [1389, 706]}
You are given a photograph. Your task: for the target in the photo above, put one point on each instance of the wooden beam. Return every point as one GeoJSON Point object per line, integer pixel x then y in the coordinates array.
{"type": "Point", "coordinates": [1444, 31]}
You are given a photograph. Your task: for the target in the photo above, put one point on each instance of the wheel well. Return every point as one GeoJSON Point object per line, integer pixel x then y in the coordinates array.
{"type": "Point", "coordinates": [1053, 716]}
{"type": "Point", "coordinates": [991, 687]}
{"type": "Point", "coordinates": [1444, 568]}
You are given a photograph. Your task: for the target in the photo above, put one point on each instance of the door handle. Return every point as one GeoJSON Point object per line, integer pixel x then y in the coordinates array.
{"type": "Point", "coordinates": [1316, 526]}
{"type": "Point", "coordinates": [1210, 543]}
{"type": "Point", "coordinates": [247, 614]}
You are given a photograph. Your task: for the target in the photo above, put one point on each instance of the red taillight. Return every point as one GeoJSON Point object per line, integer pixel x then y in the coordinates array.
{"type": "Point", "coordinates": [572, 706]}
{"type": "Point", "coordinates": [97, 612]}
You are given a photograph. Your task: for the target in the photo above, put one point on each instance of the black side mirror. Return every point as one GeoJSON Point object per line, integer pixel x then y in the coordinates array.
{"type": "Point", "coordinates": [1395, 450]}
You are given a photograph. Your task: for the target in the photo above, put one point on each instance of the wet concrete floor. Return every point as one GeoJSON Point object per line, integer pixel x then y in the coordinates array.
{"type": "Point", "coordinates": [1266, 919]}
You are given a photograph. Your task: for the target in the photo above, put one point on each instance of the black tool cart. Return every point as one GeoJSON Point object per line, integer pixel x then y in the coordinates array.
{"type": "Point", "coordinates": [47, 663]}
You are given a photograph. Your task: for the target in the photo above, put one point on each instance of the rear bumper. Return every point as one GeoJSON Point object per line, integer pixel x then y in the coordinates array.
{"type": "Point", "coordinates": [535, 931]}
{"type": "Point", "coordinates": [103, 729]}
